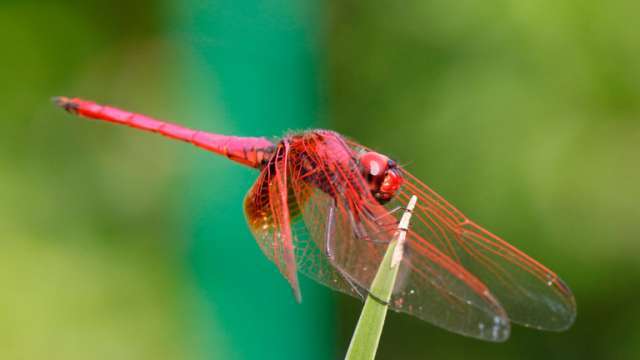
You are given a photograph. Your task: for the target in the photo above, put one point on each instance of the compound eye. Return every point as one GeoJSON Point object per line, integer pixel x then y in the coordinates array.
{"type": "Point", "coordinates": [374, 164]}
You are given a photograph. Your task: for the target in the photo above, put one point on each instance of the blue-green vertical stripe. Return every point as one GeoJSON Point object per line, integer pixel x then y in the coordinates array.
{"type": "Point", "coordinates": [259, 61]}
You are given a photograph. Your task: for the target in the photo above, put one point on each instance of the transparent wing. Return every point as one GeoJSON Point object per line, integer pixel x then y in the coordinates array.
{"type": "Point", "coordinates": [267, 212]}
{"type": "Point", "coordinates": [350, 232]}
{"type": "Point", "coordinates": [531, 294]}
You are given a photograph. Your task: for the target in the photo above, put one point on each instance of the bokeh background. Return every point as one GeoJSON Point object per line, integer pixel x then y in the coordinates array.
{"type": "Point", "coordinates": [121, 245]}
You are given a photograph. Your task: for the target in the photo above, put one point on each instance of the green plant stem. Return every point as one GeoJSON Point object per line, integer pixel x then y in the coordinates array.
{"type": "Point", "coordinates": [366, 337]}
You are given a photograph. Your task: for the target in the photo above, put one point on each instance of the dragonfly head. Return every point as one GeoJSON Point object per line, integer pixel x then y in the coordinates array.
{"type": "Point", "coordinates": [382, 174]}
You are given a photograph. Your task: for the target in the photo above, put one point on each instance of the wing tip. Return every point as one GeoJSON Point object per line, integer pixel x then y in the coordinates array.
{"type": "Point", "coordinates": [296, 292]}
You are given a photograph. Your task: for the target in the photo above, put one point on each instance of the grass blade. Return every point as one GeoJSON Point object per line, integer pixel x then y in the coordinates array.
{"type": "Point", "coordinates": [366, 336]}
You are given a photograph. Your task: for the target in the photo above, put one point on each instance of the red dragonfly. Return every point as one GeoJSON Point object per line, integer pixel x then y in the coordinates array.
{"type": "Point", "coordinates": [327, 207]}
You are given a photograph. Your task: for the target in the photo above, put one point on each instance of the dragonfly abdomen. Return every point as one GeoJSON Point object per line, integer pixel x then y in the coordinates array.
{"type": "Point", "coordinates": [250, 151]}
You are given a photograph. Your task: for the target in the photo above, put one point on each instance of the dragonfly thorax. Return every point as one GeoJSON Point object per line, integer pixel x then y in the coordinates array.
{"type": "Point", "coordinates": [382, 175]}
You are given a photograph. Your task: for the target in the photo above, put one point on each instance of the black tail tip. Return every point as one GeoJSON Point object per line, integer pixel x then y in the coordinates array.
{"type": "Point", "coordinates": [65, 103]}
{"type": "Point", "coordinates": [59, 100]}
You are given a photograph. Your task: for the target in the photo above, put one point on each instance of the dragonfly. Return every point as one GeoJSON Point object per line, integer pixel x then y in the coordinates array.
{"type": "Point", "coordinates": [327, 207]}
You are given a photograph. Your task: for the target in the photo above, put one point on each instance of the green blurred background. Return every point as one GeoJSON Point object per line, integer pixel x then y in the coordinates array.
{"type": "Point", "coordinates": [121, 245]}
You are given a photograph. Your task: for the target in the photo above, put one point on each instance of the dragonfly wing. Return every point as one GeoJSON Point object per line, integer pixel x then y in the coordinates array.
{"type": "Point", "coordinates": [313, 262]}
{"type": "Point", "coordinates": [268, 215]}
{"type": "Point", "coordinates": [531, 294]}
{"type": "Point", "coordinates": [352, 231]}
{"type": "Point", "coordinates": [430, 285]}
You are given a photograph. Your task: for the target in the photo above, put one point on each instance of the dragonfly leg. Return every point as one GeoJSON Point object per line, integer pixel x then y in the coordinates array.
{"type": "Point", "coordinates": [385, 227]}
{"type": "Point", "coordinates": [393, 223]}
{"type": "Point", "coordinates": [358, 289]}
{"type": "Point", "coordinates": [361, 233]}
{"type": "Point", "coordinates": [395, 209]}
